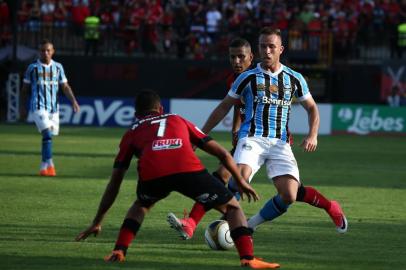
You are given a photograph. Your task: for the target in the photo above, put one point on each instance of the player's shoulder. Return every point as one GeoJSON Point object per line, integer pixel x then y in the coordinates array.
{"type": "Point", "coordinates": [138, 121]}
{"type": "Point", "coordinates": [33, 64]}
{"type": "Point", "coordinates": [57, 64]}
{"type": "Point", "coordinates": [292, 72]}
{"type": "Point", "coordinates": [253, 70]}
{"type": "Point", "coordinates": [175, 116]}
{"type": "Point", "coordinates": [248, 74]}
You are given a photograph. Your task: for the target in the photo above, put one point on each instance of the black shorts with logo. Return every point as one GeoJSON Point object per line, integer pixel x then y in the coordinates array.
{"type": "Point", "coordinates": [199, 186]}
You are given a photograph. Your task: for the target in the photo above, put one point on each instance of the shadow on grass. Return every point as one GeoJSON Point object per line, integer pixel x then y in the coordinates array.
{"type": "Point", "coordinates": [311, 245]}
{"type": "Point", "coordinates": [137, 261]}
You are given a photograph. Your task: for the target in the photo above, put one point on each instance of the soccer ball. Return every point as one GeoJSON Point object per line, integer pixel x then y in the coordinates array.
{"type": "Point", "coordinates": [217, 235]}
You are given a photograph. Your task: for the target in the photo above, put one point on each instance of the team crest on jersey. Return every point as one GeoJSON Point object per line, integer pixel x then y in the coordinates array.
{"type": "Point", "coordinates": [167, 144]}
{"type": "Point", "coordinates": [273, 88]}
{"type": "Point", "coordinates": [260, 87]}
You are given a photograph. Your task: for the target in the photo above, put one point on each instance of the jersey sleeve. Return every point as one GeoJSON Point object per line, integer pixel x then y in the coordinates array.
{"type": "Point", "coordinates": [27, 75]}
{"type": "Point", "coordinates": [239, 85]}
{"type": "Point", "coordinates": [302, 89]}
{"type": "Point", "coordinates": [125, 153]}
{"type": "Point", "coordinates": [62, 77]}
{"type": "Point", "coordinates": [197, 137]}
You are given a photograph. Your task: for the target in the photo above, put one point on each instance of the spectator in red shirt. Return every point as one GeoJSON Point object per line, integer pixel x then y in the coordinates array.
{"type": "Point", "coordinates": [5, 33]}
{"type": "Point", "coordinates": [79, 14]}
{"type": "Point", "coordinates": [153, 17]}
{"type": "Point", "coordinates": [4, 14]}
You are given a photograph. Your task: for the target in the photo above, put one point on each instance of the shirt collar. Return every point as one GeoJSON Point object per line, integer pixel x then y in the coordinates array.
{"type": "Point", "coordinates": [268, 72]}
{"type": "Point", "coordinates": [45, 65]}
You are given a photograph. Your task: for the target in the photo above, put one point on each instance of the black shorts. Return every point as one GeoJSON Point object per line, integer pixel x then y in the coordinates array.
{"type": "Point", "coordinates": [199, 186]}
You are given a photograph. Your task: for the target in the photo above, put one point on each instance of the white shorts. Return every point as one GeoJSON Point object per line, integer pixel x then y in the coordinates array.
{"type": "Point", "coordinates": [44, 119]}
{"type": "Point", "coordinates": [276, 154]}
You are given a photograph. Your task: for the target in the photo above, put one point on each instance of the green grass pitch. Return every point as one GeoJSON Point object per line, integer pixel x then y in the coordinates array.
{"type": "Point", "coordinates": [39, 217]}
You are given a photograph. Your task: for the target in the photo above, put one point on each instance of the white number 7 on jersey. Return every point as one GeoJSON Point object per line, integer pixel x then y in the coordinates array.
{"type": "Point", "coordinates": [162, 126]}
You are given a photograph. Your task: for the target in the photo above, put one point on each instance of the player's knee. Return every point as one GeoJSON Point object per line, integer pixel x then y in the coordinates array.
{"type": "Point", "coordinates": [230, 206]}
{"type": "Point", "coordinates": [233, 204]}
{"type": "Point", "coordinates": [288, 198]}
{"type": "Point", "coordinates": [142, 206]}
{"type": "Point", "coordinates": [301, 192]}
{"type": "Point", "coordinates": [246, 171]}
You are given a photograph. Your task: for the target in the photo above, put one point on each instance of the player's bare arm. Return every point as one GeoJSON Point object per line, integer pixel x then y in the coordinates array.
{"type": "Point", "coordinates": [219, 113]}
{"type": "Point", "coordinates": [309, 143]}
{"type": "Point", "coordinates": [109, 196]}
{"type": "Point", "coordinates": [215, 149]}
{"type": "Point", "coordinates": [236, 124]}
{"type": "Point", "coordinates": [67, 90]}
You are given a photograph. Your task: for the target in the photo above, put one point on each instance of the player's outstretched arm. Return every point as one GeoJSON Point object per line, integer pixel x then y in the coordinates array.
{"type": "Point", "coordinates": [236, 124]}
{"type": "Point", "coordinates": [106, 202]}
{"type": "Point", "coordinates": [215, 149]}
{"type": "Point", "coordinates": [219, 113]}
{"type": "Point", "coordinates": [67, 90]}
{"type": "Point", "coordinates": [309, 143]}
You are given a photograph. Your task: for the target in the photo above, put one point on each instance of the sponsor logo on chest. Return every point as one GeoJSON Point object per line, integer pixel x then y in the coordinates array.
{"type": "Point", "coordinates": [166, 144]}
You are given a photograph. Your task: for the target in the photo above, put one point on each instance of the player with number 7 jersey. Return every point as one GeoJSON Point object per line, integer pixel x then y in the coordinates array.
{"type": "Point", "coordinates": [166, 163]}
{"type": "Point", "coordinates": [158, 140]}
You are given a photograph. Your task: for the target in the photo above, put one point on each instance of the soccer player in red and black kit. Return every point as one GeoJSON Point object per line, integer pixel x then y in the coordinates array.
{"type": "Point", "coordinates": [163, 144]}
{"type": "Point", "coordinates": [240, 57]}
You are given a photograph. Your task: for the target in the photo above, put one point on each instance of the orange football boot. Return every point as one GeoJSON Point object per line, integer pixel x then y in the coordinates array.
{"type": "Point", "coordinates": [115, 256]}
{"type": "Point", "coordinates": [51, 171]}
{"type": "Point", "coordinates": [257, 263]}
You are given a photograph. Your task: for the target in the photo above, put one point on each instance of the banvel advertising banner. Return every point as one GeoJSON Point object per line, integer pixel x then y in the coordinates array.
{"type": "Point", "coordinates": [99, 111]}
{"type": "Point", "coordinates": [367, 119]}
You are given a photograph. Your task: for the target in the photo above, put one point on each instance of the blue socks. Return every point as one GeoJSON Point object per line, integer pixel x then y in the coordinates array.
{"type": "Point", "coordinates": [46, 149]}
{"type": "Point", "coordinates": [273, 208]}
{"type": "Point", "coordinates": [232, 186]}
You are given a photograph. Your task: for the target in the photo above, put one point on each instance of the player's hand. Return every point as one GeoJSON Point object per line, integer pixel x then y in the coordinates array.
{"type": "Point", "coordinates": [76, 107]}
{"type": "Point", "coordinates": [309, 144]}
{"type": "Point", "coordinates": [92, 229]}
{"type": "Point", "coordinates": [245, 188]}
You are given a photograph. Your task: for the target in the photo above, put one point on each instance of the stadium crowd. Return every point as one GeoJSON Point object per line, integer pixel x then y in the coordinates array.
{"type": "Point", "coordinates": [202, 28]}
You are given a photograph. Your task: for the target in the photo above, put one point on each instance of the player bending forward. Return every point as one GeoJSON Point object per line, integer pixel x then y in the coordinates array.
{"type": "Point", "coordinates": [166, 163]}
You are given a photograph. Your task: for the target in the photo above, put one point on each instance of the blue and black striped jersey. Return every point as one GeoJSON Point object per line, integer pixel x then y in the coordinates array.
{"type": "Point", "coordinates": [44, 81]}
{"type": "Point", "coordinates": [268, 97]}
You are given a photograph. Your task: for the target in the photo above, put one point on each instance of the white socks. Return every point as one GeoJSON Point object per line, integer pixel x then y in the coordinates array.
{"type": "Point", "coordinates": [255, 221]}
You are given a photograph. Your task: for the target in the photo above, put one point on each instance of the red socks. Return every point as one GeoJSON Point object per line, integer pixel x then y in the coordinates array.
{"type": "Point", "coordinates": [315, 198]}
{"type": "Point", "coordinates": [125, 237]}
{"type": "Point", "coordinates": [197, 212]}
{"type": "Point", "coordinates": [243, 242]}
{"type": "Point", "coordinates": [127, 233]}
{"type": "Point", "coordinates": [245, 247]}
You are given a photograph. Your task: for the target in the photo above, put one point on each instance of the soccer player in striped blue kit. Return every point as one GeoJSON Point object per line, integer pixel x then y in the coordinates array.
{"type": "Point", "coordinates": [267, 91]}
{"type": "Point", "coordinates": [44, 77]}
